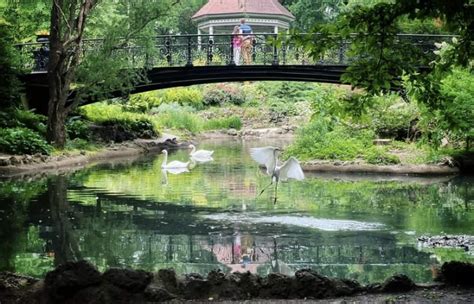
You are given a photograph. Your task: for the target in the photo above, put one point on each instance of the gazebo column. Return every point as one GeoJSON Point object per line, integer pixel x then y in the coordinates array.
{"type": "Point", "coordinates": [275, 30]}
{"type": "Point", "coordinates": [199, 38]}
{"type": "Point", "coordinates": [211, 32]}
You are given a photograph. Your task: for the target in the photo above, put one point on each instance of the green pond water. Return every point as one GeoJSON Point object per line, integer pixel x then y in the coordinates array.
{"type": "Point", "coordinates": [131, 214]}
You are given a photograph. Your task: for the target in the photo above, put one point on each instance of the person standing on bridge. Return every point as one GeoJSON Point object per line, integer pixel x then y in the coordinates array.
{"type": "Point", "coordinates": [236, 44]}
{"type": "Point", "coordinates": [247, 38]}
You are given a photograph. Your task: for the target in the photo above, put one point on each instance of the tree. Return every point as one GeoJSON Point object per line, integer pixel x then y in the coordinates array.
{"type": "Point", "coordinates": [381, 58]}
{"type": "Point", "coordinates": [9, 83]}
{"type": "Point", "coordinates": [103, 68]}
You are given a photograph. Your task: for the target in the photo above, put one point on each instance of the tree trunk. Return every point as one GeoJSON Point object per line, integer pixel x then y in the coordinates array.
{"type": "Point", "coordinates": [56, 131]}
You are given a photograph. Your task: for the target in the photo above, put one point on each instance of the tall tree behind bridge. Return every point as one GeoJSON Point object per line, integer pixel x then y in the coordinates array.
{"type": "Point", "coordinates": [100, 69]}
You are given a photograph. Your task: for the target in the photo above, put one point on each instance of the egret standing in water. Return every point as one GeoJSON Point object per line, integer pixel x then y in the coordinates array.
{"type": "Point", "coordinates": [268, 156]}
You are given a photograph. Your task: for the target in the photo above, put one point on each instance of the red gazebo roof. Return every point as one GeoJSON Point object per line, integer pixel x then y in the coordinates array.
{"type": "Point", "coordinates": [261, 7]}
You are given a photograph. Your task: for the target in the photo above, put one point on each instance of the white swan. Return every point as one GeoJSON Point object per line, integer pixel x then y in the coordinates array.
{"type": "Point", "coordinates": [268, 156]}
{"type": "Point", "coordinates": [175, 164]}
{"type": "Point", "coordinates": [200, 155]}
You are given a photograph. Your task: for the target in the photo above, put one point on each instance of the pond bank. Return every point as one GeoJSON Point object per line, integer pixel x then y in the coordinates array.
{"type": "Point", "coordinates": [19, 165]}
{"type": "Point", "coordinates": [81, 282]}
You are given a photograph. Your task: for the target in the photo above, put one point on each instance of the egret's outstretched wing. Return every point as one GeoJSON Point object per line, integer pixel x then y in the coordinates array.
{"type": "Point", "coordinates": [291, 169]}
{"type": "Point", "coordinates": [264, 156]}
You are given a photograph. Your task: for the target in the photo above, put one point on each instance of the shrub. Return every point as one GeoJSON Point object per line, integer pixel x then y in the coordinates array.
{"type": "Point", "coordinates": [78, 128]}
{"type": "Point", "coordinates": [18, 118]}
{"type": "Point", "coordinates": [142, 102]}
{"type": "Point", "coordinates": [112, 114]}
{"type": "Point", "coordinates": [232, 122]}
{"type": "Point", "coordinates": [391, 116]}
{"type": "Point", "coordinates": [180, 120]}
{"type": "Point", "coordinates": [378, 156]}
{"type": "Point", "coordinates": [217, 95]}
{"type": "Point", "coordinates": [23, 141]}
{"type": "Point", "coordinates": [183, 96]}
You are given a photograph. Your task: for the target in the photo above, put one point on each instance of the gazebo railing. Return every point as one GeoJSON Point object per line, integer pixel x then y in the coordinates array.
{"type": "Point", "coordinates": [217, 50]}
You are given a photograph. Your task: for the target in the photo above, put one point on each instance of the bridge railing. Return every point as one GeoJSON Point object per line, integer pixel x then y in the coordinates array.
{"type": "Point", "coordinates": [215, 50]}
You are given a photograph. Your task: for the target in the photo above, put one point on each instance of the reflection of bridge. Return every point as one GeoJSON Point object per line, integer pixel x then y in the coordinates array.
{"type": "Point", "coordinates": [195, 59]}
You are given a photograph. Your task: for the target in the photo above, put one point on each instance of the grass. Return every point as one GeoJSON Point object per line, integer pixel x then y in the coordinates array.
{"type": "Point", "coordinates": [178, 118]}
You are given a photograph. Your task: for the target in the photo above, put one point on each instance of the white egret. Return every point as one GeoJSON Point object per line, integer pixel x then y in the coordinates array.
{"type": "Point", "coordinates": [175, 164]}
{"type": "Point", "coordinates": [268, 156]}
{"type": "Point", "coordinates": [200, 155]}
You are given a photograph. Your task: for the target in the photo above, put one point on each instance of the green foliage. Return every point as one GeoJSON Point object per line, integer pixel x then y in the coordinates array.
{"type": "Point", "coordinates": [142, 102]}
{"type": "Point", "coordinates": [113, 114]}
{"type": "Point", "coordinates": [78, 128]}
{"type": "Point", "coordinates": [185, 96]}
{"type": "Point", "coordinates": [23, 141]}
{"type": "Point", "coordinates": [12, 118]}
{"type": "Point", "coordinates": [222, 93]}
{"type": "Point", "coordinates": [9, 83]}
{"type": "Point", "coordinates": [232, 122]}
{"type": "Point", "coordinates": [180, 120]}
{"type": "Point", "coordinates": [27, 18]}
{"type": "Point", "coordinates": [323, 139]}
{"type": "Point", "coordinates": [445, 97]}
{"type": "Point", "coordinates": [391, 117]}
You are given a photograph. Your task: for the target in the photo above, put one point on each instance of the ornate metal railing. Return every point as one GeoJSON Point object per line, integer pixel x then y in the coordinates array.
{"type": "Point", "coordinates": [215, 50]}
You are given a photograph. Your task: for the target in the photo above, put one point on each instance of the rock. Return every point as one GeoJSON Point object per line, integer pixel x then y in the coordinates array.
{"type": "Point", "coordinates": [4, 162]}
{"type": "Point", "coordinates": [276, 286]}
{"type": "Point", "coordinates": [232, 132]}
{"type": "Point", "coordinates": [196, 287]}
{"type": "Point", "coordinates": [10, 280]}
{"type": "Point", "coordinates": [168, 279]}
{"type": "Point", "coordinates": [398, 283]}
{"type": "Point", "coordinates": [457, 273]}
{"type": "Point", "coordinates": [346, 287]}
{"type": "Point", "coordinates": [27, 159]}
{"type": "Point", "coordinates": [216, 277]}
{"type": "Point", "coordinates": [131, 280]}
{"type": "Point", "coordinates": [69, 278]}
{"type": "Point", "coordinates": [249, 283]}
{"type": "Point", "coordinates": [374, 288]}
{"type": "Point", "coordinates": [15, 160]}
{"type": "Point", "coordinates": [309, 283]}
{"type": "Point", "coordinates": [83, 152]}
{"type": "Point", "coordinates": [157, 294]}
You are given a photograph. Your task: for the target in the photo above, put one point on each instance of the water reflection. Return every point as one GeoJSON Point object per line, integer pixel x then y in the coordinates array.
{"type": "Point", "coordinates": [208, 218]}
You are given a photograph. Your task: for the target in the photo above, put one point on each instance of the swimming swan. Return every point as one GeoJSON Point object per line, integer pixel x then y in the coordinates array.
{"type": "Point", "coordinates": [175, 164]}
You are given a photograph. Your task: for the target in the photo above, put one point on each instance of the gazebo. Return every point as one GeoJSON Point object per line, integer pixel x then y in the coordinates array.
{"type": "Point", "coordinates": [220, 16]}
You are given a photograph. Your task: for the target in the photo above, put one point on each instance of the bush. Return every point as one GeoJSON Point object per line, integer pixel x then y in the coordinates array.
{"type": "Point", "coordinates": [183, 96]}
{"type": "Point", "coordinates": [142, 102]}
{"type": "Point", "coordinates": [78, 128]}
{"type": "Point", "coordinates": [378, 156]}
{"type": "Point", "coordinates": [232, 122]}
{"type": "Point", "coordinates": [391, 117]}
{"type": "Point", "coordinates": [217, 95]}
{"type": "Point", "coordinates": [180, 120]}
{"type": "Point", "coordinates": [323, 139]}
{"type": "Point", "coordinates": [140, 125]}
{"type": "Point", "coordinates": [18, 118]}
{"type": "Point", "coordinates": [23, 141]}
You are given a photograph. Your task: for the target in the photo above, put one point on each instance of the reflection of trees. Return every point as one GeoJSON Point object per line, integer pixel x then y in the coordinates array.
{"type": "Point", "coordinates": [64, 242]}
{"type": "Point", "coordinates": [14, 198]}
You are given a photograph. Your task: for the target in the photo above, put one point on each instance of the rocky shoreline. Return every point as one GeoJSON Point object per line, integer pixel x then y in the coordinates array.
{"type": "Point", "coordinates": [81, 282]}
{"type": "Point", "coordinates": [18, 165]}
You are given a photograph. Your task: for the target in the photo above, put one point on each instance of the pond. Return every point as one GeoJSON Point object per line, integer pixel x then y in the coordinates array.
{"type": "Point", "coordinates": [131, 214]}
